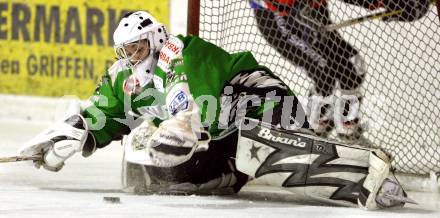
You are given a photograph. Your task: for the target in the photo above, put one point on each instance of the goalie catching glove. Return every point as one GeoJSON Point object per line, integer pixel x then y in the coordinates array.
{"type": "Point", "coordinates": [59, 142]}
{"type": "Point", "coordinates": [411, 9]}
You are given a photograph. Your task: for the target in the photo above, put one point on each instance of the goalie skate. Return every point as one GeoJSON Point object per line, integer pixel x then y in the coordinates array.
{"type": "Point", "coordinates": [392, 195]}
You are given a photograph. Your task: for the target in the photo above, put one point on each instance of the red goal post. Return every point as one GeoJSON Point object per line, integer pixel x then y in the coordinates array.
{"type": "Point", "coordinates": [438, 10]}
{"type": "Point", "coordinates": [193, 17]}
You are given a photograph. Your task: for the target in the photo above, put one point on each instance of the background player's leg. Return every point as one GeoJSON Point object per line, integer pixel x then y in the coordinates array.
{"type": "Point", "coordinates": [320, 105]}
{"type": "Point", "coordinates": [134, 177]}
{"type": "Point", "coordinates": [296, 37]}
{"type": "Point", "coordinates": [326, 57]}
{"type": "Point", "coordinates": [349, 70]}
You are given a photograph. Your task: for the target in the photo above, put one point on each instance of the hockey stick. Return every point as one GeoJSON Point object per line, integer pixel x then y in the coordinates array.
{"type": "Point", "coordinates": [374, 16]}
{"type": "Point", "coordinates": [19, 158]}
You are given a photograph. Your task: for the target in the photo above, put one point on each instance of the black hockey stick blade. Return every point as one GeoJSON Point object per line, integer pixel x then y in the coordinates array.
{"type": "Point", "coordinates": [19, 158]}
{"type": "Point", "coordinates": [370, 17]}
{"type": "Point", "coordinates": [354, 21]}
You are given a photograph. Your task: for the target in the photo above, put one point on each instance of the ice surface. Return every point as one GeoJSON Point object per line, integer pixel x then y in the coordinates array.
{"type": "Point", "coordinates": [79, 188]}
{"type": "Point", "coordinates": [78, 191]}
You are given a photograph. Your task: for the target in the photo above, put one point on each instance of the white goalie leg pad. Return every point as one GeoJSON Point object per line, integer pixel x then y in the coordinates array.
{"type": "Point", "coordinates": [134, 177]}
{"type": "Point", "coordinates": [303, 164]}
{"type": "Point", "coordinates": [135, 144]}
{"type": "Point", "coordinates": [220, 185]}
{"type": "Point", "coordinates": [379, 169]}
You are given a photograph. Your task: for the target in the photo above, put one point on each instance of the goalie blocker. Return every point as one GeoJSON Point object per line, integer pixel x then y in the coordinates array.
{"type": "Point", "coordinates": [317, 168]}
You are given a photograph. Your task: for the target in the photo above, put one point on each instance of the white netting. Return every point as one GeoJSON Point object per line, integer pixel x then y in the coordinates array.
{"type": "Point", "coordinates": [401, 89]}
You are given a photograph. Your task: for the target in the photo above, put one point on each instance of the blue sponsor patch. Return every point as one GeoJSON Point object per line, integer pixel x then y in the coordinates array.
{"type": "Point", "coordinates": [179, 103]}
{"type": "Point", "coordinates": [255, 4]}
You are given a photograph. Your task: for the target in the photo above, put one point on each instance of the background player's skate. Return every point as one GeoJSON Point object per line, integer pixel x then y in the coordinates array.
{"type": "Point", "coordinates": [337, 116]}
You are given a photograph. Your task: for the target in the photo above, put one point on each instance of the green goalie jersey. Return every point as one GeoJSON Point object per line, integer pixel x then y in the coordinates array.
{"type": "Point", "coordinates": [188, 68]}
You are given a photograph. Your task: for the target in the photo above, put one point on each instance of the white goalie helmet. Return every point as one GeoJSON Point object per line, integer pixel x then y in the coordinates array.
{"type": "Point", "coordinates": [132, 29]}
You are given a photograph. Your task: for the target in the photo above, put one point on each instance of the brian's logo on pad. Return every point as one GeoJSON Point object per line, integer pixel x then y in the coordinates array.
{"type": "Point", "coordinates": [266, 134]}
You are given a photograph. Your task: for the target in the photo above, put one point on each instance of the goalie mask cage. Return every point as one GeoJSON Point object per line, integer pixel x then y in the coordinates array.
{"type": "Point", "coordinates": [401, 88]}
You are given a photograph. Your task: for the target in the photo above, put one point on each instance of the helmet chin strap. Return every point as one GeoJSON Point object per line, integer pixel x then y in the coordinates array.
{"type": "Point", "coordinates": [144, 70]}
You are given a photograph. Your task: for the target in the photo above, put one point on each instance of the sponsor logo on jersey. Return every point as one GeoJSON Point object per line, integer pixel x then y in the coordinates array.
{"type": "Point", "coordinates": [266, 134]}
{"type": "Point", "coordinates": [131, 85]}
{"type": "Point", "coordinates": [179, 103]}
{"type": "Point", "coordinates": [164, 57]}
{"type": "Point", "coordinates": [170, 54]}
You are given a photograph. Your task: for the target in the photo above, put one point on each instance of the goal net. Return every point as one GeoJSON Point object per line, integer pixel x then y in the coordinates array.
{"type": "Point", "coordinates": [401, 86]}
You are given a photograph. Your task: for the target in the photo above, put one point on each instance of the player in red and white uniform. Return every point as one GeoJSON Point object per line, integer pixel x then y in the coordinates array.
{"type": "Point", "coordinates": [295, 29]}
